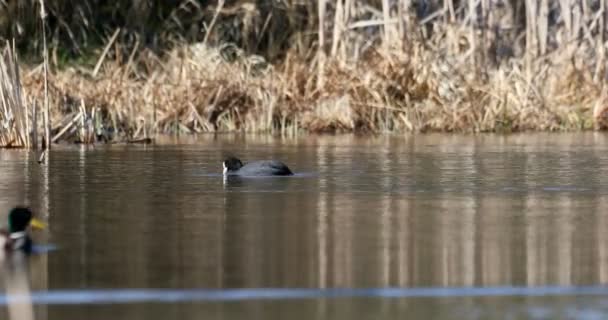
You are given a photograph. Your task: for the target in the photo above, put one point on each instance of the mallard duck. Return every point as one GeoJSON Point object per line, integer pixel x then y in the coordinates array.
{"type": "Point", "coordinates": [234, 166]}
{"type": "Point", "coordinates": [17, 237]}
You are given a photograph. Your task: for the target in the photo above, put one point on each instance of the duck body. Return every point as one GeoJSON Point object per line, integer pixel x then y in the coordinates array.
{"type": "Point", "coordinates": [259, 168]}
{"type": "Point", "coordinates": [16, 241]}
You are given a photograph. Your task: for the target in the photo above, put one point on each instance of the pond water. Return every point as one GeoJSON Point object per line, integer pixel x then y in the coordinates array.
{"type": "Point", "coordinates": [459, 226]}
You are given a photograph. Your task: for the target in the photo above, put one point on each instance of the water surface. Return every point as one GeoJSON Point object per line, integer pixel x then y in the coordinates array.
{"type": "Point", "coordinates": [430, 211]}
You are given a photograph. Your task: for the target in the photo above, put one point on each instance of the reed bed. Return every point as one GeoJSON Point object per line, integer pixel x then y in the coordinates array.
{"type": "Point", "coordinates": [370, 66]}
{"type": "Point", "coordinates": [14, 121]}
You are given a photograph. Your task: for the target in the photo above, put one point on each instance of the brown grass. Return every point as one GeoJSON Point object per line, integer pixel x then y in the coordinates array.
{"type": "Point", "coordinates": [14, 121]}
{"type": "Point", "coordinates": [382, 68]}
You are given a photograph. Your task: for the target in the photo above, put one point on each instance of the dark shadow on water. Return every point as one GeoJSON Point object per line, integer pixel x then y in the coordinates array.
{"type": "Point", "coordinates": [262, 184]}
{"type": "Point", "coordinates": [43, 248]}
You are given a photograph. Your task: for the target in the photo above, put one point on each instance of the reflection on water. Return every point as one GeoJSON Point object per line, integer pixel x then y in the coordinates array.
{"type": "Point", "coordinates": [425, 211]}
{"type": "Point", "coordinates": [16, 282]}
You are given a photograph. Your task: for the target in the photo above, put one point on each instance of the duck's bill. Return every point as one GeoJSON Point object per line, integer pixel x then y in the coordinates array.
{"type": "Point", "coordinates": [37, 224]}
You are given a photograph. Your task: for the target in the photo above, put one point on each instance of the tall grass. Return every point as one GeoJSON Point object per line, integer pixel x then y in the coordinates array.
{"type": "Point", "coordinates": [351, 65]}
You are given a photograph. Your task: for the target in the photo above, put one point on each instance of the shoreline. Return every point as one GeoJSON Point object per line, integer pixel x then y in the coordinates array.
{"type": "Point", "coordinates": [514, 138]}
{"type": "Point", "coordinates": [175, 99]}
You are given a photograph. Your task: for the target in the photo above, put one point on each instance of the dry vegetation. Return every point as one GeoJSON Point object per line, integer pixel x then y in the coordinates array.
{"type": "Point", "coordinates": [382, 66]}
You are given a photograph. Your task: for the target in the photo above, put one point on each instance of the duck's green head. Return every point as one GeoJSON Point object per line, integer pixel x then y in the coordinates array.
{"type": "Point", "coordinates": [20, 218]}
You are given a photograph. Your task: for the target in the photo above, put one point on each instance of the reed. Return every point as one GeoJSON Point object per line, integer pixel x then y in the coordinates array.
{"type": "Point", "coordinates": [45, 65]}
{"type": "Point", "coordinates": [375, 66]}
{"type": "Point", "coordinates": [14, 122]}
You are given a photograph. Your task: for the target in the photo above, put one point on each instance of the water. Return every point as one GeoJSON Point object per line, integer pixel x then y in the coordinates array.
{"type": "Point", "coordinates": [428, 227]}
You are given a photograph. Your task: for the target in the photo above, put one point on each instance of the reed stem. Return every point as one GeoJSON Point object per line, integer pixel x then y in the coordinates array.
{"type": "Point", "coordinates": [47, 113]}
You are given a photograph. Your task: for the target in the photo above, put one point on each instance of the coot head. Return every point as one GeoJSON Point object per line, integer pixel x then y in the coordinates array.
{"type": "Point", "coordinates": [232, 164]}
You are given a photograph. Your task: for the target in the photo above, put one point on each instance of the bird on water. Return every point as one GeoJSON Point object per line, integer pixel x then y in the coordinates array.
{"type": "Point", "coordinates": [16, 237]}
{"type": "Point", "coordinates": [234, 166]}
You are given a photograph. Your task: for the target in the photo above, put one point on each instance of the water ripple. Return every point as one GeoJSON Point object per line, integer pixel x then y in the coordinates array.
{"type": "Point", "coordinates": [122, 296]}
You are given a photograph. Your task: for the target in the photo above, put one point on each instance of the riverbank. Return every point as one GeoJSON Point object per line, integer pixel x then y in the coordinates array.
{"type": "Point", "coordinates": [457, 78]}
{"type": "Point", "coordinates": [194, 89]}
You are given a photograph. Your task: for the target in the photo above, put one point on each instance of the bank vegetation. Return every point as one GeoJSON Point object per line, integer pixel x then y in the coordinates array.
{"type": "Point", "coordinates": [127, 70]}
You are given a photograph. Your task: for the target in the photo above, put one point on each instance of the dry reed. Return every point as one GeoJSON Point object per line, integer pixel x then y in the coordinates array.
{"type": "Point", "coordinates": [379, 66]}
{"type": "Point", "coordinates": [14, 123]}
